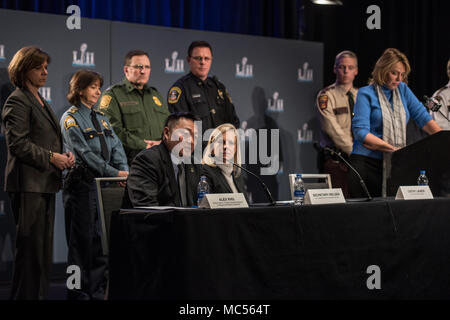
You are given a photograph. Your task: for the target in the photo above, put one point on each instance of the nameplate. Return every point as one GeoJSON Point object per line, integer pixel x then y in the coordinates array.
{"type": "Point", "coordinates": [324, 196]}
{"type": "Point", "coordinates": [413, 193]}
{"type": "Point", "coordinates": [223, 200]}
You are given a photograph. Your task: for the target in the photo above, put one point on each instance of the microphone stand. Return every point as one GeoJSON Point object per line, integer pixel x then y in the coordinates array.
{"type": "Point", "coordinates": [266, 190]}
{"type": "Point", "coordinates": [361, 181]}
{"type": "Point", "coordinates": [436, 106]}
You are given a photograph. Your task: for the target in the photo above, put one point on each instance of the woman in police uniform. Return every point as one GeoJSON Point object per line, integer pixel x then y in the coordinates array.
{"type": "Point", "coordinates": [98, 153]}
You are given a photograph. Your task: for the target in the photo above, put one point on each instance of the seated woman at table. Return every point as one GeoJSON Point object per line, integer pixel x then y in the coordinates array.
{"type": "Point", "coordinates": [222, 150]}
{"type": "Point", "coordinates": [382, 111]}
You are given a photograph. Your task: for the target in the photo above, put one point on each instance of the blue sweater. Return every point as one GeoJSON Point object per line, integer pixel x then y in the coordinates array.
{"type": "Point", "coordinates": [368, 116]}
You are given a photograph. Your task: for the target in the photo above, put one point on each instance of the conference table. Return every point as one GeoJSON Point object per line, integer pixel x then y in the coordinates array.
{"type": "Point", "coordinates": [382, 249]}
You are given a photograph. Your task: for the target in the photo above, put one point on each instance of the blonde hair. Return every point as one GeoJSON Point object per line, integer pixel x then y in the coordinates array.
{"type": "Point", "coordinates": [218, 133]}
{"type": "Point", "coordinates": [386, 63]}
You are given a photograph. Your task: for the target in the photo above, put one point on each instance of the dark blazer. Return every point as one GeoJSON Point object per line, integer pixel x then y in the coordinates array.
{"type": "Point", "coordinates": [218, 183]}
{"type": "Point", "coordinates": [31, 131]}
{"type": "Point", "coordinates": [152, 180]}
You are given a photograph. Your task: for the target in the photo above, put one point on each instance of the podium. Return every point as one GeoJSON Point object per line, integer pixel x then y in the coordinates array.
{"type": "Point", "coordinates": [431, 154]}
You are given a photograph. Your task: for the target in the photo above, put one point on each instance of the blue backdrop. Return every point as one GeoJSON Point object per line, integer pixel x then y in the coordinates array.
{"type": "Point", "coordinates": [274, 18]}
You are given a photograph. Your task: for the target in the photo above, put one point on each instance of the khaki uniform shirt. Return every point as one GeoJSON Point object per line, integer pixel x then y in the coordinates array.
{"type": "Point", "coordinates": [135, 115]}
{"type": "Point", "coordinates": [335, 118]}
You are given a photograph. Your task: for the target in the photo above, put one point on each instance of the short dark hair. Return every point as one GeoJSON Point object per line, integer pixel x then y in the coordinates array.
{"type": "Point", "coordinates": [132, 54]}
{"type": "Point", "coordinates": [24, 60]}
{"type": "Point", "coordinates": [80, 81]}
{"type": "Point", "coordinates": [173, 118]}
{"type": "Point", "coordinates": [198, 44]}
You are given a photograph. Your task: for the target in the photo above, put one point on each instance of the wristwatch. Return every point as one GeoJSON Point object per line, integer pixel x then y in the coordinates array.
{"type": "Point", "coordinates": [50, 155]}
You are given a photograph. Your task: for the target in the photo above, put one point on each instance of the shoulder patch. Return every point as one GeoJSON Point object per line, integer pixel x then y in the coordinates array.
{"type": "Point", "coordinates": [73, 109]}
{"type": "Point", "coordinates": [323, 101]}
{"type": "Point", "coordinates": [174, 94]}
{"type": "Point", "coordinates": [106, 100]}
{"type": "Point", "coordinates": [69, 121]}
{"type": "Point", "coordinates": [157, 101]}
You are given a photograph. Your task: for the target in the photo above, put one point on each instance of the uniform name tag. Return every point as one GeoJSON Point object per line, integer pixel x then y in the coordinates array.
{"type": "Point", "coordinates": [223, 200]}
{"type": "Point", "coordinates": [129, 103]}
{"type": "Point", "coordinates": [324, 196]}
{"type": "Point", "coordinates": [413, 193]}
{"type": "Point", "coordinates": [194, 96]}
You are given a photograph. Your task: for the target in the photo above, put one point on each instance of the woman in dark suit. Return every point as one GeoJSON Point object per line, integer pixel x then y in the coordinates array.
{"type": "Point", "coordinates": [222, 150]}
{"type": "Point", "coordinates": [33, 171]}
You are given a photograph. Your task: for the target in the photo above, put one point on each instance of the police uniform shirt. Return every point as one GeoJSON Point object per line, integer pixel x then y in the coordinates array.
{"type": "Point", "coordinates": [207, 99]}
{"type": "Point", "coordinates": [83, 141]}
{"type": "Point", "coordinates": [135, 115]}
{"type": "Point", "coordinates": [335, 118]}
{"type": "Point", "coordinates": [444, 94]}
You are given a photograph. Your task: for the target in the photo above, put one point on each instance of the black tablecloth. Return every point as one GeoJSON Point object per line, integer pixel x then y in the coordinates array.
{"type": "Point", "coordinates": [286, 252]}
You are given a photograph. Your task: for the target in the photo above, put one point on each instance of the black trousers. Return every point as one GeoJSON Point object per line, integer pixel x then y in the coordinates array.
{"type": "Point", "coordinates": [84, 240]}
{"type": "Point", "coordinates": [371, 170]}
{"type": "Point", "coordinates": [34, 215]}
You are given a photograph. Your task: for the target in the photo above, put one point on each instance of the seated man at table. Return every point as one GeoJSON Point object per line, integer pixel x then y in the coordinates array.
{"type": "Point", "coordinates": [165, 174]}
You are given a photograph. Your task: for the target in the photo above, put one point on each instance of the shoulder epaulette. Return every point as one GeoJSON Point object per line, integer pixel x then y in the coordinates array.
{"type": "Point", "coordinates": [73, 109]}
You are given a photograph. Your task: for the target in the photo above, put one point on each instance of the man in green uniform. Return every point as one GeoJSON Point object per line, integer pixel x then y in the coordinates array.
{"type": "Point", "coordinates": [136, 111]}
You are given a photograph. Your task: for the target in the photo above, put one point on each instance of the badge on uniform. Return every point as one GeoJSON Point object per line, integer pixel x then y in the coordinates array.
{"type": "Point", "coordinates": [69, 121]}
{"type": "Point", "coordinates": [174, 95]}
{"type": "Point", "coordinates": [105, 124]}
{"type": "Point", "coordinates": [157, 101]}
{"type": "Point", "coordinates": [323, 101]}
{"type": "Point", "coordinates": [220, 92]}
{"type": "Point", "coordinates": [104, 103]}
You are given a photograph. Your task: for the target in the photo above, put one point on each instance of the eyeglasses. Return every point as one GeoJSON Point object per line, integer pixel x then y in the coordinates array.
{"type": "Point", "coordinates": [140, 67]}
{"type": "Point", "coordinates": [199, 59]}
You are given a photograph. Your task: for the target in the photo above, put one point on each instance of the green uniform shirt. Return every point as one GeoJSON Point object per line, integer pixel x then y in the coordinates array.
{"type": "Point", "coordinates": [134, 114]}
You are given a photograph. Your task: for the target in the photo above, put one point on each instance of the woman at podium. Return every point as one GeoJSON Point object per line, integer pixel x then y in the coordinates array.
{"type": "Point", "coordinates": [219, 158]}
{"type": "Point", "coordinates": [382, 111]}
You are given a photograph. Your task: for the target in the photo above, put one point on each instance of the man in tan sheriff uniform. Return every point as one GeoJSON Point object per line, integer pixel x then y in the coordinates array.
{"type": "Point", "coordinates": [442, 116]}
{"type": "Point", "coordinates": [335, 105]}
{"type": "Point", "coordinates": [136, 111]}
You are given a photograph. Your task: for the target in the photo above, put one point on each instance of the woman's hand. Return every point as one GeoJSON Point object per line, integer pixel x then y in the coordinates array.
{"type": "Point", "coordinates": [125, 175]}
{"type": "Point", "coordinates": [62, 161]}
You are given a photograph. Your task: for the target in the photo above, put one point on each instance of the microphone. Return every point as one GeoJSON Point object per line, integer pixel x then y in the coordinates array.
{"type": "Point", "coordinates": [265, 188]}
{"type": "Point", "coordinates": [432, 104]}
{"type": "Point", "coordinates": [318, 147]}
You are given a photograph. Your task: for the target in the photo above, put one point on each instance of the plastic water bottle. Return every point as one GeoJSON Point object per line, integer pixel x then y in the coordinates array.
{"type": "Point", "coordinates": [202, 189]}
{"type": "Point", "coordinates": [299, 190]}
{"type": "Point", "coordinates": [422, 180]}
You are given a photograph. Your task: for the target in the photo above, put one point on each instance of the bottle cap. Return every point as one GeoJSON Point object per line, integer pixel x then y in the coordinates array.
{"type": "Point", "coordinates": [299, 175]}
{"type": "Point", "coordinates": [422, 171]}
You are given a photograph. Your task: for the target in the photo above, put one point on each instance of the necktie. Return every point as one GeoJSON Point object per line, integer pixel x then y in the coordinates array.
{"type": "Point", "coordinates": [182, 184]}
{"type": "Point", "coordinates": [351, 102]}
{"type": "Point", "coordinates": [105, 152]}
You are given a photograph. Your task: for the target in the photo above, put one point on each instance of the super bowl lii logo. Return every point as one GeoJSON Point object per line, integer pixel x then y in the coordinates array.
{"type": "Point", "coordinates": [46, 93]}
{"type": "Point", "coordinates": [244, 70]}
{"type": "Point", "coordinates": [305, 135]}
{"type": "Point", "coordinates": [2, 52]}
{"type": "Point", "coordinates": [275, 104]}
{"type": "Point", "coordinates": [86, 59]}
{"type": "Point", "coordinates": [305, 74]}
{"type": "Point", "coordinates": [174, 65]}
